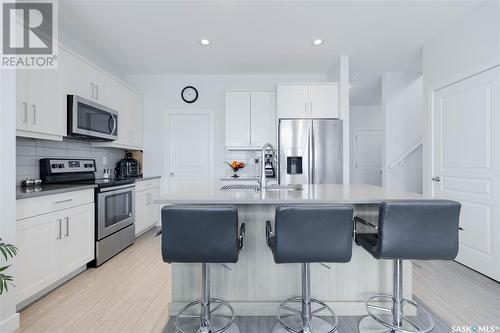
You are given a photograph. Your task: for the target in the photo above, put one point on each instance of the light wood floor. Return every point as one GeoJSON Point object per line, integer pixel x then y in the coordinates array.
{"type": "Point", "coordinates": [131, 292]}
{"type": "Point", "coordinates": [456, 293]}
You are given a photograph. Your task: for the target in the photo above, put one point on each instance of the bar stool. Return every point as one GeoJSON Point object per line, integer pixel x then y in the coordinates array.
{"type": "Point", "coordinates": [202, 234]}
{"type": "Point", "coordinates": [309, 234]}
{"type": "Point", "coordinates": [421, 230]}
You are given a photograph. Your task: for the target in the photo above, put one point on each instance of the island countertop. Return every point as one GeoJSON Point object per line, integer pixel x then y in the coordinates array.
{"type": "Point", "coordinates": [314, 193]}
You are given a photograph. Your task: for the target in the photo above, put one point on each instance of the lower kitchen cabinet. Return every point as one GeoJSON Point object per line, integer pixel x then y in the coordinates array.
{"type": "Point", "coordinates": [147, 214]}
{"type": "Point", "coordinates": [52, 246]}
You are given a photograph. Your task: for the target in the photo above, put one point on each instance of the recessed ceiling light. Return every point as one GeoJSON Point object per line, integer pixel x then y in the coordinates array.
{"type": "Point", "coordinates": [205, 42]}
{"type": "Point", "coordinates": [317, 42]}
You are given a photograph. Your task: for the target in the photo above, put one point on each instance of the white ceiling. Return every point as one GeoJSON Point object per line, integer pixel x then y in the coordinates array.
{"type": "Point", "coordinates": [253, 37]}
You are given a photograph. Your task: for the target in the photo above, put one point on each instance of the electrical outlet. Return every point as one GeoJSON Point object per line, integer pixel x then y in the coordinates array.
{"type": "Point", "coordinates": [104, 160]}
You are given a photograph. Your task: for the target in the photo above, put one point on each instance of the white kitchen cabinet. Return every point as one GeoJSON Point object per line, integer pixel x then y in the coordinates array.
{"type": "Point", "coordinates": [53, 242]}
{"type": "Point", "coordinates": [237, 119]}
{"type": "Point", "coordinates": [38, 111]}
{"type": "Point", "coordinates": [147, 213]}
{"type": "Point", "coordinates": [262, 118]}
{"type": "Point", "coordinates": [324, 101]}
{"type": "Point", "coordinates": [77, 238]}
{"type": "Point", "coordinates": [250, 118]}
{"type": "Point", "coordinates": [37, 263]}
{"type": "Point", "coordinates": [314, 101]}
{"type": "Point", "coordinates": [82, 79]}
{"type": "Point", "coordinates": [292, 101]}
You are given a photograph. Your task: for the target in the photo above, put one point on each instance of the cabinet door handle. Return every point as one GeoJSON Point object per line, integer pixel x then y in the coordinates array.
{"type": "Point", "coordinates": [96, 91]}
{"type": "Point", "coordinates": [67, 226]}
{"type": "Point", "coordinates": [91, 90]}
{"type": "Point", "coordinates": [62, 201]}
{"type": "Point", "coordinates": [60, 229]}
{"type": "Point", "coordinates": [25, 112]}
{"type": "Point", "coordinates": [34, 113]}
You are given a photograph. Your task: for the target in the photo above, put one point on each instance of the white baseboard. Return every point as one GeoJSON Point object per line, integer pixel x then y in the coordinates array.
{"type": "Point", "coordinates": [10, 324]}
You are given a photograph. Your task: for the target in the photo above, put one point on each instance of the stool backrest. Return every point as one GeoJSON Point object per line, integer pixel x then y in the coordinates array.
{"type": "Point", "coordinates": [199, 234]}
{"type": "Point", "coordinates": [420, 229]}
{"type": "Point", "coordinates": [316, 233]}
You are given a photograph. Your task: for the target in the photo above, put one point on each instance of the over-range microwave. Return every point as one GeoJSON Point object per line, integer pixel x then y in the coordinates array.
{"type": "Point", "coordinates": [91, 121]}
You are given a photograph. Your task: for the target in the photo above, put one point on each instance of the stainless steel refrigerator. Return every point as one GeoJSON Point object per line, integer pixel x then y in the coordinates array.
{"type": "Point", "coordinates": [310, 151]}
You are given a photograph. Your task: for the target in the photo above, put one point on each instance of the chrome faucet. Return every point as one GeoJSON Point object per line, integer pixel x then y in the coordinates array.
{"type": "Point", "coordinates": [263, 180]}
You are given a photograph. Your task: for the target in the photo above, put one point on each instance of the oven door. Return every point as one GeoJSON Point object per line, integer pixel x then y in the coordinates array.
{"type": "Point", "coordinates": [87, 119]}
{"type": "Point", "coordinates": [115, 209]}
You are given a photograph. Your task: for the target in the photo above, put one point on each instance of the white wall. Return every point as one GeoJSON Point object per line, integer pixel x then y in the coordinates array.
{"type": "Point", "coordinates": [402, 102]}
{"type": "Point", "coordinates": [363, 117]}
{"type": "Point", "coordinates": [467, 47]}
{"type": "Point", "coordinates": [162, 95]}
{"type": "Point", "coordinates": [9, 319]}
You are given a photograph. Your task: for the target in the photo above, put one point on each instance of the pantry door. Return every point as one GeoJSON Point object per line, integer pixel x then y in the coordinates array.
{"type": "Point", "coordinates": [189, 150]}
{"type": "Point", "coordinates": [466, 166]}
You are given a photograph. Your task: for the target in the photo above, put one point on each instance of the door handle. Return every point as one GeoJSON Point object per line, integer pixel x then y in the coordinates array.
{"type": "Point", "coordinates": [436, 179]}
{"type": "Point", "coordinates": [171, 173]}
{"type": "Point", "coordinates": [25, 112]}
{"type": "Point", "coordinates": [91, 90]}
{"type": "Point", "coordinates": [96, 91]}
{"type": "Point", "coordinates": [34, 114]}
{"type": "Point", "coordinates": [60, 229]}
{"type": "Point", "coordinates": [67, 226]}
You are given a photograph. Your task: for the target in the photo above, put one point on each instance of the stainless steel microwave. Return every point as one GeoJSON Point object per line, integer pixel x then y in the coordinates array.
{"type": "Point", "coordinates": [91, 121]}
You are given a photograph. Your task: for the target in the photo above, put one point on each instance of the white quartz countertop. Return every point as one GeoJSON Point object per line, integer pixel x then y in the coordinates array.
{"type": "Point", "coordinates": [324, 193]}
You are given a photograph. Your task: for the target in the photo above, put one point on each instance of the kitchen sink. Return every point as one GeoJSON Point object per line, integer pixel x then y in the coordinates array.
{"type": "Point", "coordinates": [253, 188]}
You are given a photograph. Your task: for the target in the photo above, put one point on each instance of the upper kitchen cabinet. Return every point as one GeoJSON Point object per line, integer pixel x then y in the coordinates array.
{"type": "Point", "coordinates": [38, 111]}
{"type": "Point", "coordinates": [262, 118]}
{"type": "Point", "coordinates": [80, 78]}
{"type": "Point", "coordinates": [314, 101]}
{"type": "Point", "coordinates": [129, 107]}
{"type": "Point", "coordinates": [237, 119]}
{"type": "Point", "coordinates": [250, 119]}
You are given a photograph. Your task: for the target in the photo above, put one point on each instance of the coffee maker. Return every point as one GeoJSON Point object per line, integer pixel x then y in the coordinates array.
{"type": "Point", "coordinates": [128, 167]}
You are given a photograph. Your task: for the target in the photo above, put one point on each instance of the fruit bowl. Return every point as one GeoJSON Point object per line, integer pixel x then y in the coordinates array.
{"type": "Point", "coordinates": [235, 166]}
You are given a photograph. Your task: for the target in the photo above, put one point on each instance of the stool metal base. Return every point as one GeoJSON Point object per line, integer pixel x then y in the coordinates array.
{"type": "Point", "coordinates": [378, 323]}
{"type": "Point", "coordinates": [185, 322]}
{"type": "Point", "coordinates": [292, 321]}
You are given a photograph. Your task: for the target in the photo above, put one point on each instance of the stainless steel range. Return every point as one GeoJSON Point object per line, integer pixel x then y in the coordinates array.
{"type": "Point", "coordinates": [114, 203]}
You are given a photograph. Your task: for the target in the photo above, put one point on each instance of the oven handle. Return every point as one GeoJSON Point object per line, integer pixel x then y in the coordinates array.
{"type": "Point", "coordinates": [114, 188]}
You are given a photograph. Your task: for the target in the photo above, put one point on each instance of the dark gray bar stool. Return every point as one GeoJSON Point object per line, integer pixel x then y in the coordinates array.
{"type": "Point", "coordinates": [421, 230]}
{"type": "Point", "coordinates": [202, 234]}
{"type": "Point", "coordinates": [309, 234]}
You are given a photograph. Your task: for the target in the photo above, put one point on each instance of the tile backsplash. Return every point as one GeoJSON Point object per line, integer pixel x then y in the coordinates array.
{"type": "Point", "coordinates": [30, 151]}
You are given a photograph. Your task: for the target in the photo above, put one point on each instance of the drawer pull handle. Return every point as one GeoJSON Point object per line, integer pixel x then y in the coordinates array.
{"type": "Point", "coordinates": [62, 201]}
{"type": "Point", "coordinates": [60, 229]}
{"type": "Point", "coordinates": [67, 226]}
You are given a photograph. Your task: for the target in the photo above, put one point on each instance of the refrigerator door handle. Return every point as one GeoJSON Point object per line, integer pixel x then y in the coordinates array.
{"type": "Point", "coordinates": [310, 156]}
{"type": "Point", "coordinates": [312, 153]}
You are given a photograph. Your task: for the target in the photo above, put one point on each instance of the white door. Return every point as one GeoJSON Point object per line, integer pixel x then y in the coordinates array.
{"type": "Point", "coordinates": [189, 150]}
{"type": "Point", "coordinates": [466, 147]}
{"type": "Point", "coordinates": [37, 262]}
{"type": "Point", "coordinates": [368, 145]}
{"type": "Point", "coordinates": [45, 114]}
{"type": "Point", "coordinates": [263, 118]}
{"type": "Point", "coordinates": [237, 119]}
{"type": "Point", "coordinates": [77, 238]}
{"type": "Point", "coordinates": [292, 101]}
{"type": "Point", "coordinates": [324, 101]}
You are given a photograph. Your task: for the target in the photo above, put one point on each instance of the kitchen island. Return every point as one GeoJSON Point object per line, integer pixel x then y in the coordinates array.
{"type": "Point", "coordinates": [255, 285]}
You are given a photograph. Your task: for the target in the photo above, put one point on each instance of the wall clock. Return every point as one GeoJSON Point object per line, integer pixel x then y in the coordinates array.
{"type": "Point", "coordinates": [189, 94]}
